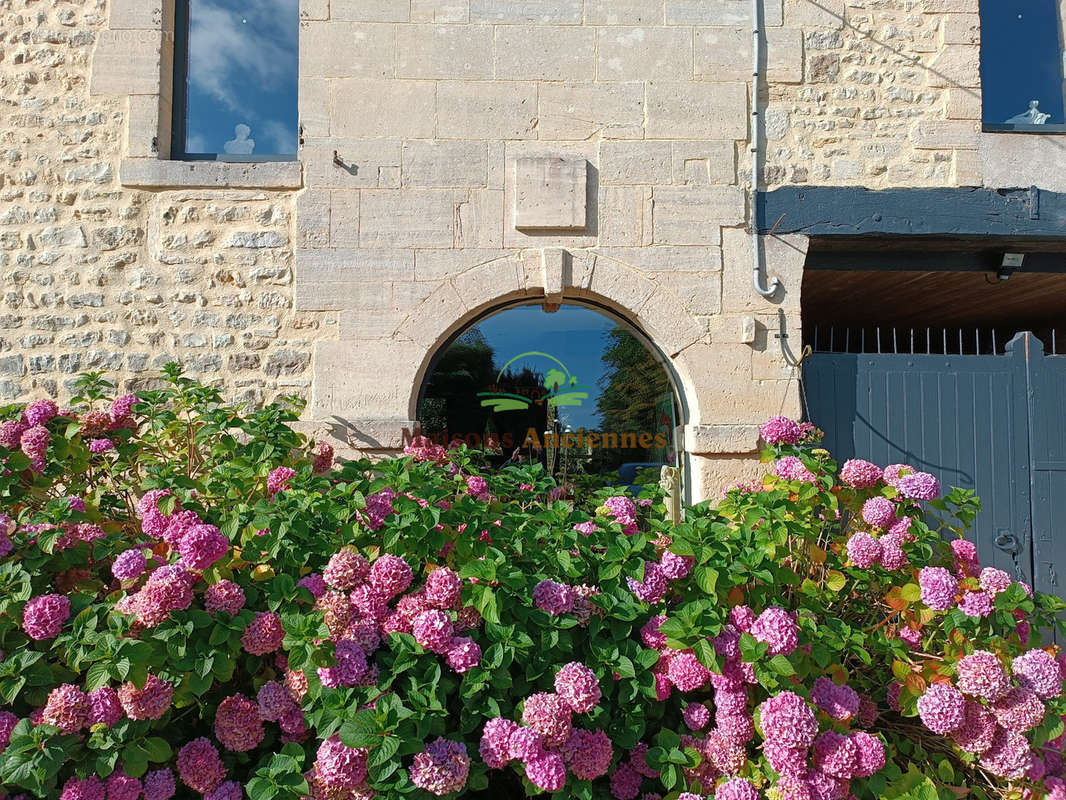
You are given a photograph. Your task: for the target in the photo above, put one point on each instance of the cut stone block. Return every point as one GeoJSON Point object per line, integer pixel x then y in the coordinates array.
{"type": "Point", "coordinates": [550, 194]}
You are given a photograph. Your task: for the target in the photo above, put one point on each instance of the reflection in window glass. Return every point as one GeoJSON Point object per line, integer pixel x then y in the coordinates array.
{"type": "Point", "coordinates": [576, 390]}
{"type": "Point", "coordinates": [1021, 62]}
{"type": "Point", "coordinates": [242, 78]}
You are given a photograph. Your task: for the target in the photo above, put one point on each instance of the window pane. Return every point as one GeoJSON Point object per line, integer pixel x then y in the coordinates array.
{"type": "Point", "coordinates": [242, 77]}
{"type": "Point", "coordinates": [526, 378]}
{"type": "Point", "coordinates": [1021, 59]}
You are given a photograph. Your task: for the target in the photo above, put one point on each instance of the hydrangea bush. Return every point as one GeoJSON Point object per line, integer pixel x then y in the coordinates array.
{"type": "Point", "coordinates": [199, 602]}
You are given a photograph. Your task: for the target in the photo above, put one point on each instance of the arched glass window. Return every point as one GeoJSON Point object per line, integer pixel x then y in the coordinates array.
{"type": "Point", "coordinates": [578, 390]}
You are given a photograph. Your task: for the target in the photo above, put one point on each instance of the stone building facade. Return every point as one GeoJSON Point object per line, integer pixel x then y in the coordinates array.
{"type": "Point", "coordinates": [339, 275]}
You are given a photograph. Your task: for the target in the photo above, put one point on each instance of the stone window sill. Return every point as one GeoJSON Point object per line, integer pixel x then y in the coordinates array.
{"type": "Point", "coordinates": [149, 173]}
{"type": "Point", "coordinates": [1045, 130]}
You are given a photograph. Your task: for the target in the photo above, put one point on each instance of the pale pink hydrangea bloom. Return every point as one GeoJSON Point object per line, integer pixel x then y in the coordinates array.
{"type": "Point", "coordinates": [442, 768]}
{"type": "Point", "coordinates": [941, 708]}
{"type": "Point", "coordinates": [938, 588]}
{"type": "Point", "coordinates": [859, 474]}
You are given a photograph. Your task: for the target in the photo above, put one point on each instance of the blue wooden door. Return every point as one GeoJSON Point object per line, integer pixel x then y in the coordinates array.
{"type": "Point", "coordinates": [968, 420]}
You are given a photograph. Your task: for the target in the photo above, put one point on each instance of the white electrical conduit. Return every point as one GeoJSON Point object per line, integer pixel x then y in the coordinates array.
{"type": "Point", "coordinates": [756, 242]}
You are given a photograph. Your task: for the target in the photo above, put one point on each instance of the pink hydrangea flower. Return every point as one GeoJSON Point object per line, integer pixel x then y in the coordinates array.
{"type": "Point", "coordinates": [34, 444]}
{"type": "Point", "coordinates": [977, 730]}
{"type": "Point", "coordinates": [322, 458]}
{"type": "Point", "coordinates": [40, 411]}
{"type": "Point", "coordinates": [675, 567]}
{"type": "Point", "coordinates": [863, 550]}
{"type": "Point", "coordinates": [98, 446]}
{"type": "Point", "coordinates": [525, 744]}
{"type": "Point", "coordinates": [202, 546]}
{"type": "Point", "coordinates": [835, 754]}
{"type": "Point", "coordinates": [389, 576]}
{"type": "Point", "coordinates": [159, 785]}
{"type": "Point", "coordinates": [91, 788]}
{"type": "Point", "coordinates": [553, 597]}
{"type": "Point", "coordinates": [625, 783]}
{"type": "Point", "coordinates": [549, 716]}
{"type": "Point", "coordinates": [919, 486]}
{"type": "Point", "coordinates": [442, 768]}
{"type": "Point", "coordinates": [965, 557]}
{"type": "Point", "coordinates": [976, 604]}
{"type": "Point", "coordinates": [11, 433]}
{"type": "Point", "coordinates": [346, 569]}
{"type": "Point", "coordinates": [121, 786]}
{"type": "Point", "coordinates": [839, 702]}
{"type": "Point", "coordinates": [587, 528]}
{"type": "Point", "coordinates": [697, 716]}
{"type": "Point", "coordinates": [463, 654]}
{"type": "Point", "coordinates": [780, 430]}
{"type": "Point", "coordinates": [279, 480]}
{"type": "Point", "coordinates": [790, 468]}
{"type": "Point", "coordinates": [777, 628]}
{"type": "Point", "coordinates": [444, 589]}
{"type": "Point", "coordinates": [378, 507]}
{"type": "Point", "coordinates": [339, 766]}
{"type": "Point", "coordinates": [892, 555]}
{"type": "Point", "coordinates": [879, 512]}
{"type": "Point", "coordinates": [939, 588]}
{"type": "Point", "coordinates": [43, 616]}
{"type": "Point", "coordinates": [200, 766]}
{"type": "Point", "coordinates": [1019, 710]}
{"type": "Point", "coordinates": [649, 634]}
{"type": "Point", "coordinates": [238, 725]}
{"type": "Point", "coordinates": [264, 634]}
{"type": "Point", "coordinates": [912, 637]}
{"type": "Point", "coordinates": [547, 772]}
{"type": "Point", "coordinates": [994, 580]}
{"type": "Point", "coordinates": [787, 720]}
{"type": "Point", "coordinates": [104, 707]}
{"type": "Point", "coordinates": [495, 742]}
{"type": "Point", "coordinates": [314, 583]}
{"type": "Point", "coordinates": [228, 790]}
{"type": "Point", "coordinates": [870, 754]}
{"type": "Point", "coordinates": [129, 564]}
{"type": "Point", "coordinates": [151, 702]}
{"type": "Point", "coordinates": [653, 588]}
{"type": "Point", "coordinates": [224, 596]}
{"type": "Point", "coordinates": [743, 617]}
{"type": "Point", "coordinates": [588, 754]}
{"type": "Point", "coordinates": [578, 687]}
{"type": "Point", "coordinates": [1008, 756]}
{"type": "Point", "coordinates": [981, 674]}
{"type": "Point", "coordinates": [735, 789]}
{"type": "Point", "coordinates": [478, 488]}
{"type": "Point", "coordinates": [859, 474]}
{"type": "Point", "coordinates": [433, 630]}
{"type": "Point", "coordinates": [122, 407]}
{"type": "Point", "coordinates": [893, 472]}
{"type": "Point", "coordinates": [686, 672]}
{"type": "Point", "coordinates": [1038, 671]}
{"type": "Point", "coordinates": [67, 709]}
{"type": "Point", "coordinates": [941, 708]}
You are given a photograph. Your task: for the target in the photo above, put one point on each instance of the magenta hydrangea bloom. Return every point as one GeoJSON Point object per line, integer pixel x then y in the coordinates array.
{"type": "Point", "coordinates": [939, 588]}
{"type": "Point", "coordinates": [444, 588]}
{"type": "Point", "coordinates": [224, 596]}
{"type": "Point", "coordinates": [340, 766]}
{"type": "Point", "coordinates": [780, 430]}
{"type": "Point", "coordinates": [229, 790]}
{"type": "Point", "coordinates": [389, 576]}
{"type": "Point", "coordinates": [578, 687]}
{"type": "Point", "coordinates": [870, 755]}
{"type": "Point", "coordinates": [547, 714]}
{"type": "Point", "coordinates": [736, 789]}
{"type": "Point", "coordinates": [463, 654]}
{"type": "Point", "coordinates": [839, 702]}
{"type": "Point", "coordinates": [994, 580]}
{"type": "Point", "coordinates": [104, 707]}
{"type": "Point", "coordinates": [478, 487]}
{"type": "Point", "coordinates": [202, 546]}
{"type": "Point", "coordinates": [433, 630]}
{"type": "Point", "coordinates": [790, 468]}
{"type": "Point", "coordinates": [159, 785]}
{"type": "Point", "coordinates": [1019, 710]}
{"type": "Point", "coordinates": [278, 480]}
{"type": "Point", "coordinates": [912, 637]}
{"type": "Point", "coordinates": [151, 702]}
{"type": "Point", "coordinates": [346, 569]}
{"type": "Point", "coordinates": [40, 411]}
{"type": "Point", "coordinates": [879, 512]}
{"type": "Point", "coordinates": [919, 486]}
{"type": "Point", "coordinates": [786, 719]}
{"type": "Point", "coordinates": [238, 725]}
{"type": "Point", "coordinates": [864, 550]}
{"type": "Point", "coordinates": [8, 721]}
{"type": "Point", "coordinates": [200, 766]}
{"type": "Point", "coordinates": [697, 716]}
{"type": "Point", "coordinates": [43, 616]}
{"type": "Point", "coordinates": [121, 786]}
{"type": "Point", "coordinates": [1039, 672]}
{"type": "Point", "coordinates": [625, 783]}
{"type": "Point", "coordinates": [547, 771]}
{"type": "Point", "coordinates": [977, 730]}
{"type": "Point", "coordinates": [129, 564]}
{"type": "Point", "coordinates": [588, 754]}
{"type": "Point", "coordinates": [495, 742]}
{"type": "Point", "coordinates": [976, 604]}
{"type": "Point", "coordinates": [739, 728]}
{"type": "Point", "coordinates": [91, 788]}
{"type": "Point", "coordinates": [314, 583]}
{"type": "Point", "coordinates": [686, 672]}
{"type": "Point", "coordinates": [835, 754]}
{"type": "Point", "coordinates": [653, 588]}
{"type": "Point", "coordinates": [11, 433]}
{"type": "Point", "coordinates": [275, 701]}
{"type": "Point", "coordinates": [1008, 756]}
{"type": "Point", "coordinates": [941, 708]}
{"type": "Point", "coordinates": [859, 474]}
{"type": "Point", "coordinates": [553, 597]}
{"type": "Point", "coordinates": [743, 617]}
{"type": "Point", "coordinates": [98, 446]}
{"type": "Point", "coordinates": [981, 674]}
{"type": "Point", "coordinates": [892, 555]}
{"type": "Point", "coordinates": [525, 744]}
{"type": "Point", "coordinates": [675, 567]}
{"type": "Point", "coordinates": [649, 634]}
{"type": "Point", "coordinates": [264, 634]}
{"type": "Point", "coordinates": [587, 528]}
{"type": "Point", "coordinates": [442, 768]}
{"type": "Point", "coordinates": [777, 628]}
{"type": "Point", "coordinates": [67, 709]}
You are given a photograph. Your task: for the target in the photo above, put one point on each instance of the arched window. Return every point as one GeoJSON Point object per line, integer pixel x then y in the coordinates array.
{"type": "Point", "coordinates": [577, 389]}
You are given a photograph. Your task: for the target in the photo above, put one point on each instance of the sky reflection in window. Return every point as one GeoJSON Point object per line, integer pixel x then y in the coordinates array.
{"type": "Point", "coordinates": [242, 77]}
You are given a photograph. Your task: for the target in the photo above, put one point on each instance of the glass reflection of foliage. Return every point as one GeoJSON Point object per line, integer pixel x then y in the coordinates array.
{"type": "Point", "coordinates": [463, 370]}
{"type": "Point", "coordinates": [635, 394]}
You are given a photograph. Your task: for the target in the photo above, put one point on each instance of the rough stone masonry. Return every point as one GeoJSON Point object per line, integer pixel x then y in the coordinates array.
{"type": "Point", "coordinates": [338, 283]}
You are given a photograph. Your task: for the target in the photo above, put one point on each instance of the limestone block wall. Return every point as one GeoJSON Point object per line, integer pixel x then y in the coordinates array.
{"type": "Point", "coordinates": [338, 276]}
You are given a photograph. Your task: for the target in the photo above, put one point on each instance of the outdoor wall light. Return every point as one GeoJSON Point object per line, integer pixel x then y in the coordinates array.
{"type": "Point", "coordinates": [1011, 262]}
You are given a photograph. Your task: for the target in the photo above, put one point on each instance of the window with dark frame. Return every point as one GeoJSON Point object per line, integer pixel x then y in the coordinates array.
{"type": "Point", "coordinates": [235, 80]}
{"type": "Point", "coordinates": [1022, 66]}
